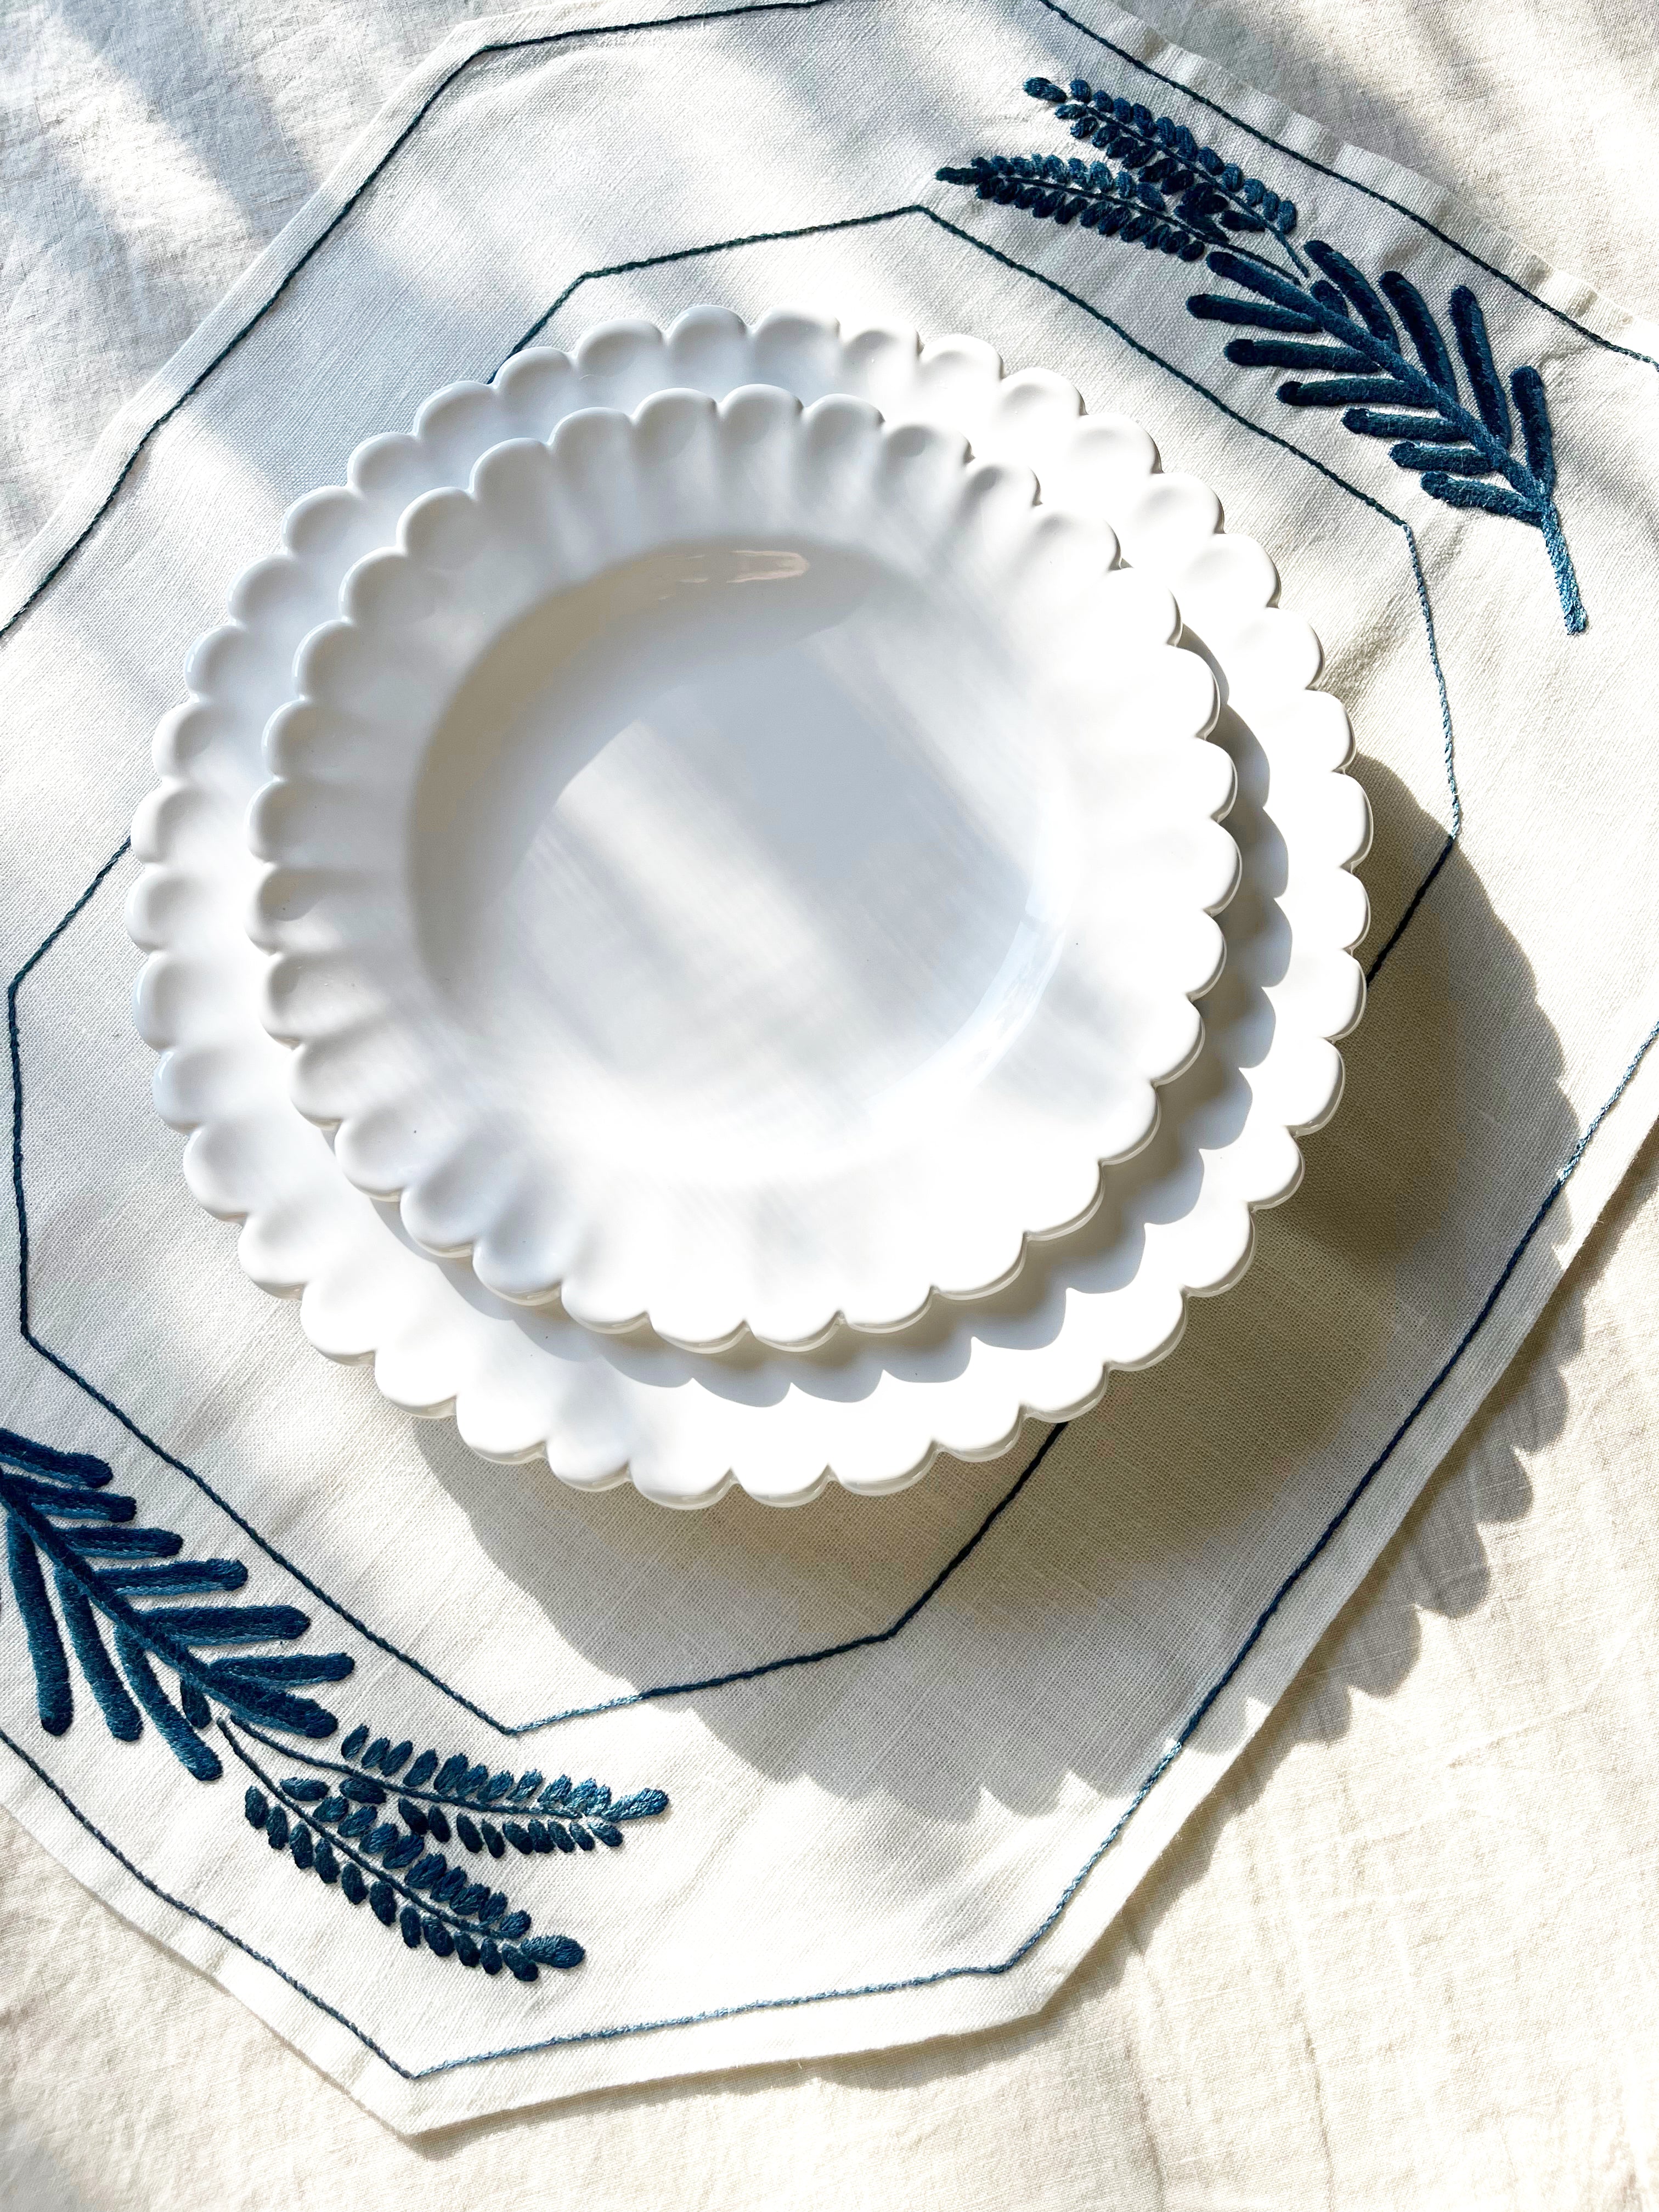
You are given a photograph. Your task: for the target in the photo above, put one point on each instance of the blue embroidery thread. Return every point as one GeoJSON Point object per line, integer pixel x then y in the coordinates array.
{"type": "Point", "coordinates": [58, 1507]}
{"type": "Point", "coordinates": [438, 1798]}
{"type": "Point", "coordinates": [413, 1886]}
{"type": "Point", "coordinates": [1340, 327]}
{"type": "Point", "coordinates": [1175, 198]}
{"type": "Point", "coordinates": [1214, 200]}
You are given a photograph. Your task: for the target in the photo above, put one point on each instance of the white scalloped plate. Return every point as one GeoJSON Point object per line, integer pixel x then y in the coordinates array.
{"type": "Point", "coordinates": [740, 865]}
{"type": "Point", "coordinates": [870, 1412]}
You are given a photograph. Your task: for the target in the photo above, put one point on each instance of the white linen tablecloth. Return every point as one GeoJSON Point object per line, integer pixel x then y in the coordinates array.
{"type": "Point", "coordinates": [1406, 1954]}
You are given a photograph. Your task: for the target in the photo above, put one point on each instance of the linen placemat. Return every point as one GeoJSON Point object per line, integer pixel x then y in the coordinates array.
{"type": "Point", "coordinates": [915, 1752]}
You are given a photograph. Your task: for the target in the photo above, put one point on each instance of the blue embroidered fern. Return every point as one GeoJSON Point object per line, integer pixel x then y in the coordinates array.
{"type": "Point", "coordinates": [565, 1816]}
{"type": "Point", "coordinates": [406, 1880]}
{"type": "Point", "coordinates": [1340, 327]}
{"type": "Point", "coordinates": [106, 1573]}
{"type": "Point", "coordinates": [1176, 198]}
{"type": "Point", "coordinates": [1171, 195]}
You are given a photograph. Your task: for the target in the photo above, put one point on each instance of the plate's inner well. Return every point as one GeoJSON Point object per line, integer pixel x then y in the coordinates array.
{"type": "Point", "coordinates": [754, 851]}
{"type": "Point", "coordinates": [741, 864]}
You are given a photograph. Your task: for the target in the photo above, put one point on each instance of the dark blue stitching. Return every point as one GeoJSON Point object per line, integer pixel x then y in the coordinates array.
{"type": "Point", "coordinates": [573, 1814]}
{"type": "Point", "coordinates": [701, 252]}
{"type": "Point", "coordinates": [121, 1716]}
{"type": "Point", "coordinates": [1165, 1760]}
{"type": "Point", "coordinates": [1417, 898]}
{"type": "Point", "coordinates": [60, 1504]}
{"type": "Point", "coordinates": [186, 1747]}
{"type": "Point", "coordinates": [835, 1650]}
{"type": "Point", "coordinates": [453, 1917]}
{"type": "Point", "coordinates": [1440, 439]}
{"type": "Point", "coordinates": [13, 988]}
{"type": "Point", "coordinates": [1118, 206]}
{"type": "Point", "coordinates": [1216, 194]}
{"type": "Point", "coordinates": [53, 1701]}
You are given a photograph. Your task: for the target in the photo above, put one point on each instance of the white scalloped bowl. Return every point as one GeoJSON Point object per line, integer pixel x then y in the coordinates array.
{"type": "Point", "coordinates": [739, 865]}
{"type": "Point", "coordinates": [870, 1413]}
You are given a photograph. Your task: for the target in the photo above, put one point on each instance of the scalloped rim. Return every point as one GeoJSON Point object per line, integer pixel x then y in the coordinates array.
{"type": "Point", "coordinates": [944, 1211]}
{"type": "Point", "coordinates": [1046, 1349]}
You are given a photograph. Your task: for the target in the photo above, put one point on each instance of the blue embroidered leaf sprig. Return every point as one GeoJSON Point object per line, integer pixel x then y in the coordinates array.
{"type": "Point", "coordinates": [435, 1906]}
{"type": "Point", "coordinates": [1170, 195]}
{"type": "Point", "coordinates": [1165, 154]}
{"type": "Point", "coordinates": [106, 1573]}
{"type": "Point", "coordinates": [353, 1840]}
{"type": "Point", "coordinates": [487, 1812]}
{"type": "Point", "coordinates": [1340, 328]}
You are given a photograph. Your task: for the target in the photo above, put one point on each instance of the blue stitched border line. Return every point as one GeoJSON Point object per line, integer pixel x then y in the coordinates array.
{"type": "Point", "coordinates": [829, 1651]}
{"type": "Point", "coordinates": [117, 1413]}
{"type": "Point", "coordinates": [1327, 1536]}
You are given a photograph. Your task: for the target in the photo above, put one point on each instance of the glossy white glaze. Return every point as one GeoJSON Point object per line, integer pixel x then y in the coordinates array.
{"type": "Point", "coordinates": [872, 1412]}
{"type": "Point", "coordinates": [739, 865]}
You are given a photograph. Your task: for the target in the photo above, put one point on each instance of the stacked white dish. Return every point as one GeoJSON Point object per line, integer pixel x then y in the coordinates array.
{"type": "Point", "coordinates": [667, 891]}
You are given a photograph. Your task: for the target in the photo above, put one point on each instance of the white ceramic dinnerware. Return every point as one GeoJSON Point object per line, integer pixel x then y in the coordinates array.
{"type": "Point", "coordinates": [872, 1412]}
{"type": "Point", "coordinates": [740, 863]}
